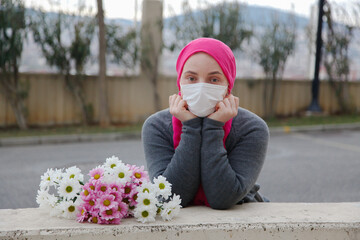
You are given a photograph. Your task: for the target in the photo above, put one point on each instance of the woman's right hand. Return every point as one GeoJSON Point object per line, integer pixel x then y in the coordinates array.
{"type": "Point", "coordinates": [178, 108]}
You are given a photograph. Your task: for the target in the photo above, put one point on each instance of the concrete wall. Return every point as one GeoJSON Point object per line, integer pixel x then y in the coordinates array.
{"type": "Point", "coordinates": [131, 99]}
{"type": "Point", "coordinates": [302, 221]}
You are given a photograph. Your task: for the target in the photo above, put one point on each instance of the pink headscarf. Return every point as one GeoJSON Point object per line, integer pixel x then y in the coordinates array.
{"type": "Point", "coordinates": [226, 60]}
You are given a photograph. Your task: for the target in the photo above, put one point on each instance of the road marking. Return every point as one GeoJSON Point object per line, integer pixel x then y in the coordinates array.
{"type": "Point", "coordinates": [347, 147]}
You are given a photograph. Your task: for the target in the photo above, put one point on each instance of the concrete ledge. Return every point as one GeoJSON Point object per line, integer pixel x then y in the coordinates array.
{"type": "Point", "coordinates": [248, 221]}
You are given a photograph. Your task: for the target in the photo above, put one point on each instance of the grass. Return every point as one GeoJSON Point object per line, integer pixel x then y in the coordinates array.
{"type": "Point", "coordinates": [313, 120]}
{"type": "Point", "coordinates": [275, 122]}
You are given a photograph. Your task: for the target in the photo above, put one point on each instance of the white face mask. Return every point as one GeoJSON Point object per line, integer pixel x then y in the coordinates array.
{"type": "Point", "coordinates": [202, 97]}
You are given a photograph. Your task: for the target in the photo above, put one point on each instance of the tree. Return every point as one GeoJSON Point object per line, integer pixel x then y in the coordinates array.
{"type": "Point", "coordinates": [276, 44]}
{"type": "Point", "coordinates": [122, 46]}
{"type": "Point", "coordinates": [336, 56]}
{"type": "Point", "coordinates": [152, 44]}
{"type": "Point", "coordinates": [222, 21]}
{"type": "Point", "coordinates": [103, 107]}
{"type": "Point", "coordinates": [65, 41]}
{"type": "Point", "coordinates": [12, 35]}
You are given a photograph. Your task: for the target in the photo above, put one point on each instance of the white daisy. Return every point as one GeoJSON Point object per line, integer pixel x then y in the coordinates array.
{"type": "Point", "coordinates": [122, 173]}
{"type": "Point", "coordinates": [146, 187]}
{"type": "Point", "coordinates": [112, 162]}
{"type": "Point", "coordinates": [56, 211]}
{"type": "Point", "coordinates": [73, 173]}
{"type": "Point", "coordinates": [57, 176]}
{"type": "Point", "coordinates": [144, 214]}
{"type": "Point", "coordinates": [42, 198]}
{"type": "Point", "coordinates": [146, 199]}
{"type": "Point", "coordinates": [47, 179]}
{"type": "Point", "coordinates": [171, 209]}
{"type": "Point", "coordinates": [69, 209]}
{"type": "Point", "coordinates": [69, 188]}
{"type": "Point", "coordinates": [162, 187]}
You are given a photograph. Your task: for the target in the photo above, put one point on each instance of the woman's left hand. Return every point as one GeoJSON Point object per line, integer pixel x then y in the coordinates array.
{"type": "Point", "coordinates": [226, 109]}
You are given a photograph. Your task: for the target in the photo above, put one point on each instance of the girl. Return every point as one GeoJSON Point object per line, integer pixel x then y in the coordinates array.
{"type": "Point", "coordinates": [208, 148]}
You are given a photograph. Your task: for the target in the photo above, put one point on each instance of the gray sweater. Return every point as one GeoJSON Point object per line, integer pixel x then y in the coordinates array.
{"type": "Point", "coordinates": [227, 176]}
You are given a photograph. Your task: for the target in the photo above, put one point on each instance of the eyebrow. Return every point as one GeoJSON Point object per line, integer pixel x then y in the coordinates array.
{"type": "Point", "coordinates": [211, 73]}
{"type": "Point", "coordinates": [191, 72]}
{"type": "Point", "coordinates": [215, 72]}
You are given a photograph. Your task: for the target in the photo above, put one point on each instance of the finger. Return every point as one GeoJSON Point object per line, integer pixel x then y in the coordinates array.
{"type": "Point", "coordinates": [232, 102]}
{"type": "Point", "coordinates": [237, 102]}
{"type": "Point", "coordinates": [221, 105]}
{"type": "Point", "coordinates": [177, 100]}
{"type": "Point", "coordinates": [182, 103]}
{"type": "Point", "coordinates": [226, 103]}
{"type": "Point", "coordinates": [172, 99]}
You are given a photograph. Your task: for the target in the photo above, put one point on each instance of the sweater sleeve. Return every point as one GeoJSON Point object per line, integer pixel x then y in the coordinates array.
{"type": "Point", "coordinates": [228, 175]}
{"type": "Point", "coordinates": [181, 167]}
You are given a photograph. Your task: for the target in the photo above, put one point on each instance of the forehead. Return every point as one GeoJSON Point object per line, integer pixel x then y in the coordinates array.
{"type": "Point", "coordinates": [201, 61]}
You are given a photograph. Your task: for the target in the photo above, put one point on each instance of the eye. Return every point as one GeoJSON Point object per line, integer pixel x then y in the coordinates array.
{"type": "Point", "coordinates": [191, 78]}
{"type": "Point", "coordinates": [214, 80]}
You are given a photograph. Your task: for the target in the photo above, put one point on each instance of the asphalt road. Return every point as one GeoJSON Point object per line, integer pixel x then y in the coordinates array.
{"type": "Point", "coordinates": [300, 167]}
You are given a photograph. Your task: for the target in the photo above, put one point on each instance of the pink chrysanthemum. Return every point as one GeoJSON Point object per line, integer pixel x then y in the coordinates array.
{"type": "Point", "coordinates": [96, 219]}
{"type": "Point", "coordinates": [90, 203]}
{"type": "Point", "coordinates": [128, 190]}
{"type": "Point", "coordinates": [87, 192]}
{"type": "Point", "coordinates": [139, 174]}
{"type": "Point", "coordinates": [96, 173]}
{"type": "Point", "coordinates": [106, 202]}
{"type": "Point", "coordinates": [102, 188]}
{"type": "Point", "coordinates": [115, 187]}
{"type": "Point", "coordinates": [122, 209]}
{"type": "Point", "coordinates": [117, 195]}
{"type": "Point", "coordinates": [133, 196]}
{"type": "Point", "coordinates": [110, 213]}
{"type": "Point", "coordinates": [113, 221]}
{"type": "Point", "coordinates": [83, 214]}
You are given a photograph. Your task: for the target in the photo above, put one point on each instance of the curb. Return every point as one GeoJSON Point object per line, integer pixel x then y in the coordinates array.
{"type": "Point", "coordinates": [102, 137]}
{"type": "Point", "coordinates": [73, 138]}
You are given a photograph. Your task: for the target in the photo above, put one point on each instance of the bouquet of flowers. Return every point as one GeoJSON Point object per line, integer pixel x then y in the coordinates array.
{"type": "Point", "coordinates": [115, 191]}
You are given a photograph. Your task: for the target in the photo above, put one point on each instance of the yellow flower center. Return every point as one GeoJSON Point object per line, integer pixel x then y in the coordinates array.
{"type": "Point", "coordinates": [91, 202]}
{"type": "Point", "coordinates": [106, 202]}
{"type": "Point", "coordinates": [92, 187]}
{"type": "Point", "coordinates": [82, 211]}
{"type": "Point", "coordinates": [48, 179]}
{"type": "Point", "coordinates": [68, 189]}
{"type": "Point", "coordinates": [119, 208]}
{"type": "Point", "coordinates": [145, 214]}
{"type": "Point", "coordinates": [146, 190]}
{"type": "Point", "coordinates": [135, 197]}
{"type": "Point", "coordinates": [113, 165]}
{"type": "Point", "coordinates": [109, 212]}
{"type": "Point", "coordinates": [72, 175]}
{"type": "Point", "coordinates": [137, 175]}
{"type": "Point", "coordinates": [161, 186]}
{"type": "Point", "coordinates": [71, 208]}
{"type": "Point", "coordinates": [94, 220]}
{"type": "Point", "coordinates": [146, 201]}
{"type": "Point", "coordinates": [103, 188]}
{"type": "Point", "coordinates": [97, 176]}
{"type": "Point", "coordinates": [127, 190]}
{"type": "Point", "coordinates": [86, 192]}
{"type": "Point", "coordinates": [121, 175]}
{"type": "Point", "coordinates": [169, 212]}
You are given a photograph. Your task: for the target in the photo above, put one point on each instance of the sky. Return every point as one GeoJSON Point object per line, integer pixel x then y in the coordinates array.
{"type": "Point", "coordinates": [126, 8]}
